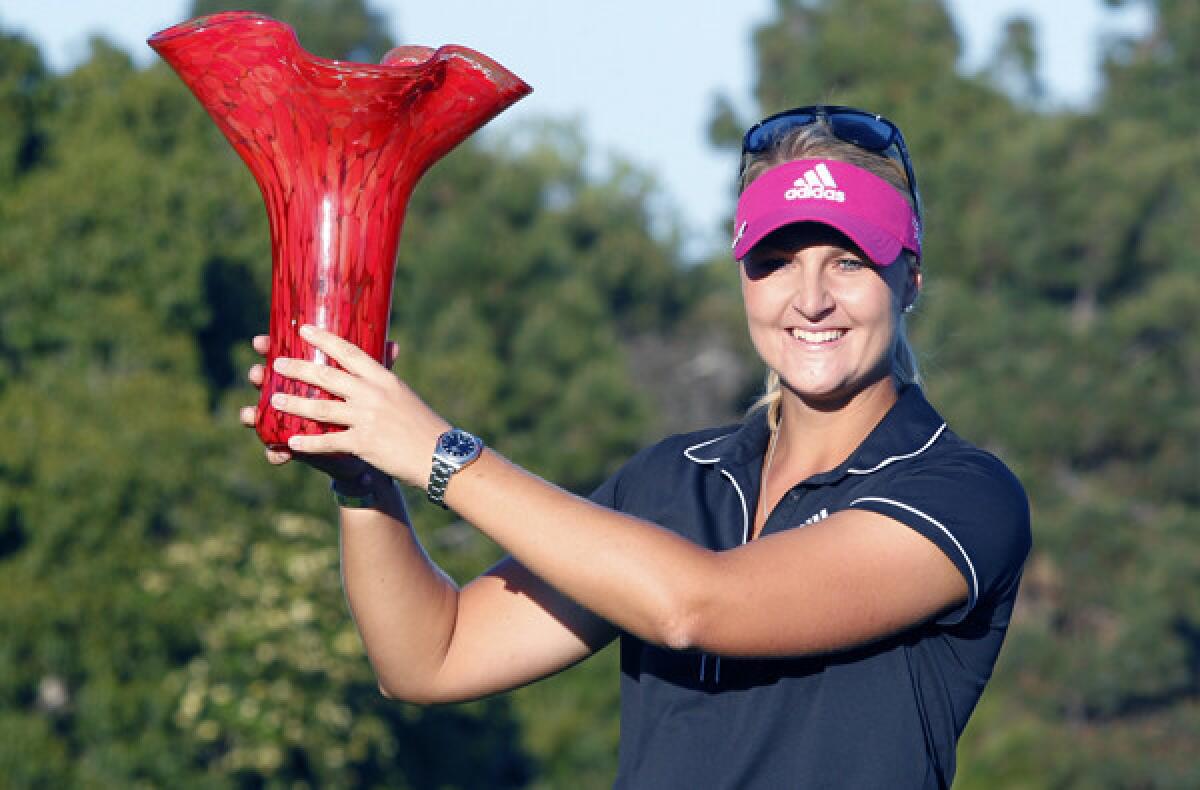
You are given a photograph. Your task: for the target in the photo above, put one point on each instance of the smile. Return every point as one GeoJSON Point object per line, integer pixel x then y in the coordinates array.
{"type": "Point", "coordinates": [825, 336]}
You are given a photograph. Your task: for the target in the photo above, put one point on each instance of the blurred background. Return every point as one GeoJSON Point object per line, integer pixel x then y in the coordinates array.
{"type": "Point", "coordinates": [172, 613]}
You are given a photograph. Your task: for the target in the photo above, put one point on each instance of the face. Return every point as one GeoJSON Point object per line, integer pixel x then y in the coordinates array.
{"type": "Point", "coordinates": [821, 314]}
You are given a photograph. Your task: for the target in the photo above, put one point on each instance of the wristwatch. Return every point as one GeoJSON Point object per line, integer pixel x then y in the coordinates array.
{"type": "Point", "coordinates": [454, 449]}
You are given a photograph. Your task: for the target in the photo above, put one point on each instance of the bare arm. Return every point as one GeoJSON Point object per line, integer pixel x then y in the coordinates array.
{"type": "Point", "coordinates": [851, 579]}
{"type": "Point", "coordinates": [842, 582]}
{"type": "Point", "coordinates": [427, 640]}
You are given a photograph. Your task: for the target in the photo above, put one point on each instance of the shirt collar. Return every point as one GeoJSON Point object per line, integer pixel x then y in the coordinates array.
{"type": "Point", "coordinates": [909, 428]}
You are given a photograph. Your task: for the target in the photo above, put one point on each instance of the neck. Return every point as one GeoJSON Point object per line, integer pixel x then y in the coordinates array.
{"type": "Point", "coordinates": [815, 437]}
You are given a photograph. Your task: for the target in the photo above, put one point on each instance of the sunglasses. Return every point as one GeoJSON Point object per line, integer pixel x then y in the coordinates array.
{"type": "Point", "coordinates": [866, 130]}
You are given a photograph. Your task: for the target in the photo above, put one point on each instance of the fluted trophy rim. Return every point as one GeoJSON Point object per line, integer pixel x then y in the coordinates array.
{"type": "Point", "coordinates": [209, 21]}
{"type": "Point", "coordinates": [403, 60]}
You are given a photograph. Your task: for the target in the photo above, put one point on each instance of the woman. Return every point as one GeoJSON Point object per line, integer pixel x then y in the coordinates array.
{"type": "Point", "coordinates": [813, 598]}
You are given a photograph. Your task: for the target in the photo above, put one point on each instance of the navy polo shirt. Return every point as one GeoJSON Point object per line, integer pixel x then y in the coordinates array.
{"type": "Point", "coordinates": [887, 715]}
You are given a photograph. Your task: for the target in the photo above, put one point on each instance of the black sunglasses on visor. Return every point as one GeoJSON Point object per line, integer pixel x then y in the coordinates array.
{"type": "Point", "coordinates": [866, 130]}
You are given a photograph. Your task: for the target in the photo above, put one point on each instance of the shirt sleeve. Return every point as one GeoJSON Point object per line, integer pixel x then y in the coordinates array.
{"type": "Point", "coordinates": [973, 509]}
{"type": "Point", "coordinates": [614, 491]}
{"type": "Point", "coordinates": [606, 493]}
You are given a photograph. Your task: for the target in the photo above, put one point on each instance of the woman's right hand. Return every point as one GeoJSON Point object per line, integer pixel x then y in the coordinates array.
{"type": "Point", "coordinates": [339, 467]}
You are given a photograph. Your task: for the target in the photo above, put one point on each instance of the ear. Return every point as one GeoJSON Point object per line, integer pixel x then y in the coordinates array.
{"type": "Point", "coordinates": [912, 287]}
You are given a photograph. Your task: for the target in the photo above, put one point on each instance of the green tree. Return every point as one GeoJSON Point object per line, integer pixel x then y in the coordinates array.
{"type": "Point", "coordinates": [172, 606]}
{"type": "Point", "coordinates": [341, 29]}
{"type": "Point", "coordinates": [22, 89]}
{"type": "Point", "coordinates": [172, 609]}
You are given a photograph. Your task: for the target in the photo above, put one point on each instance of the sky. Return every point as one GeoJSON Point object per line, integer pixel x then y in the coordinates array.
{"type": "Point", "coordinates": [639, 76]}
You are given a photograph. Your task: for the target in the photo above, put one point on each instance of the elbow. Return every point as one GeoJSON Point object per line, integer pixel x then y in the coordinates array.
{"type": "Point", "coordinates": [409, 694]}
{"type": "Point", "coordinates": [682, 611]}
{"type": "Point", "coordinates": [679, 625]}
{"type": "Point", "coordinates": [677, 636]}
{"type": "Point", "coordinates": [429, 696]}
{"type": "Point", "coordinates": [393, 694]}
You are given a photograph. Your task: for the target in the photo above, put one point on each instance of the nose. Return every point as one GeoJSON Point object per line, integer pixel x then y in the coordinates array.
{"type": "Point", "coordinates": [812, 298]}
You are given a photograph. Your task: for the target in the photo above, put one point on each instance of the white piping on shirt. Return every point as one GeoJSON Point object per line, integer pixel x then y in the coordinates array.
{"type": "Point", "coordinates": [745, 534]}
{"type": "Point", "coordinates": [690, 457]}
{"type": "Point", "coordinates": [894, 458]}
{"type": "Point", "coordinates": [745, 508]}
{"type": "Point", "coordinates": [936, 523]}
{"type": "Point", "coordinates": [891, 459]}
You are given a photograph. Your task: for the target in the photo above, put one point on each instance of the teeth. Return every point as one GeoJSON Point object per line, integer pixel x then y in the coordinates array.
{"type": "Point", "coordinates": [828, 336]}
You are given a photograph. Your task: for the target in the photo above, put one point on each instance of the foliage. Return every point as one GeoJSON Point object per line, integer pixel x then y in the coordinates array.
{"type": "Point", "coordinates": [173, 615]}
{"type": "Point", "coordinates": [341, 29]}
{"type": "Point", "coordinates": [173, 609]}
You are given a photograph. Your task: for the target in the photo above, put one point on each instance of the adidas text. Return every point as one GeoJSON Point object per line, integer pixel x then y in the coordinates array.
{"type": "Point", "coordinates": [802, 191]}
{"type": "Point", "coordinates": [816, 184]}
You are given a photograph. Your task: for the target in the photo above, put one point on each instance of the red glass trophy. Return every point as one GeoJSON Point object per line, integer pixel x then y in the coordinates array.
{"type": "Point", "coordinates": [336, 149]}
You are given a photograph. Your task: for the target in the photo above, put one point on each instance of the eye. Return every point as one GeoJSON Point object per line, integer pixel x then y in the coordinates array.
{"type": "Point", "coordinates": [849, 264]}
{"type": "Point", "coordinates": [759, 267]}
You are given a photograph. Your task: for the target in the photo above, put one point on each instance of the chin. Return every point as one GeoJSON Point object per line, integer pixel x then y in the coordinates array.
{"type": "Point", "coordinates": [815, 392]}
{"type": "Point", "coordinates": [834, 392]}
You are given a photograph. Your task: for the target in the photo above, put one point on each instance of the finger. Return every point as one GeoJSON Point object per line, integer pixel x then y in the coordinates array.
{"type": "Point", "coordinates": [261, 344]}
{"type": "Point", "coordinates": [330, 379]}
{"type": "Point", "coordinates": [256, 374]}
{"type": "Point", "coordinates": [345, 353]}
{"type": "Point", "coordinates": [277, 457]}
{"type": "Point", "coordinates": [321, 444]}
{"type": "Point", "coordinates": [248, 415]}
{"type": "Point", "coordinates": [391, 352]}
{"type": "Point", "coordinates": [319, 409]}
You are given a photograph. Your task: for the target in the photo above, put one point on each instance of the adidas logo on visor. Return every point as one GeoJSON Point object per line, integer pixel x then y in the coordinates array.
{"type": "Point", "coordinates": [816, 184]}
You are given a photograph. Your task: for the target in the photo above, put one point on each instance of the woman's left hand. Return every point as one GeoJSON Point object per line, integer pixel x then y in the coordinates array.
{"type": "Point", "coordinates": [387, 425]}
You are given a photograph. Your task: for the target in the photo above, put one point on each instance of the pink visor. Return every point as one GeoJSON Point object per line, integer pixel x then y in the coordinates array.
{"type": "Point", "coordinates": [869, 210]}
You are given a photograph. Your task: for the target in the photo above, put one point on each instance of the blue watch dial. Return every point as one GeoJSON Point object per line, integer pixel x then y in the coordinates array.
{"type": "Point", "coordinates": [457, 443]}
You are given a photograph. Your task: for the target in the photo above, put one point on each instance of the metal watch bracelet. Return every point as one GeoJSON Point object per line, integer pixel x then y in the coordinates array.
{"type": "Point", "coordinates": [439, 478]}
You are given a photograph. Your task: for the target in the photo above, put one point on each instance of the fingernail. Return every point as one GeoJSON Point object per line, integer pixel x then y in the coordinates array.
{"type": "Point", "coordinates": [280, 364]}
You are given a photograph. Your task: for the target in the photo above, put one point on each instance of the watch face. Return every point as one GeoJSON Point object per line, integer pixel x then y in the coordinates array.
{"type": "Point", "coordinates": [457, 444]}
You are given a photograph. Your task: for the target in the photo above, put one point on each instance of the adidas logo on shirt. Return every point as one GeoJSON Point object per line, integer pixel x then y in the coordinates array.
{"type": "Point", "coordinates": [816, 184]}
{"type": "Point", "coordinates": [815, 517]}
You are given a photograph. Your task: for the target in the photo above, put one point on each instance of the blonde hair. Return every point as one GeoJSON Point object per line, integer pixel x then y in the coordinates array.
{"type": "Point", "coordinates": [817, 141]}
